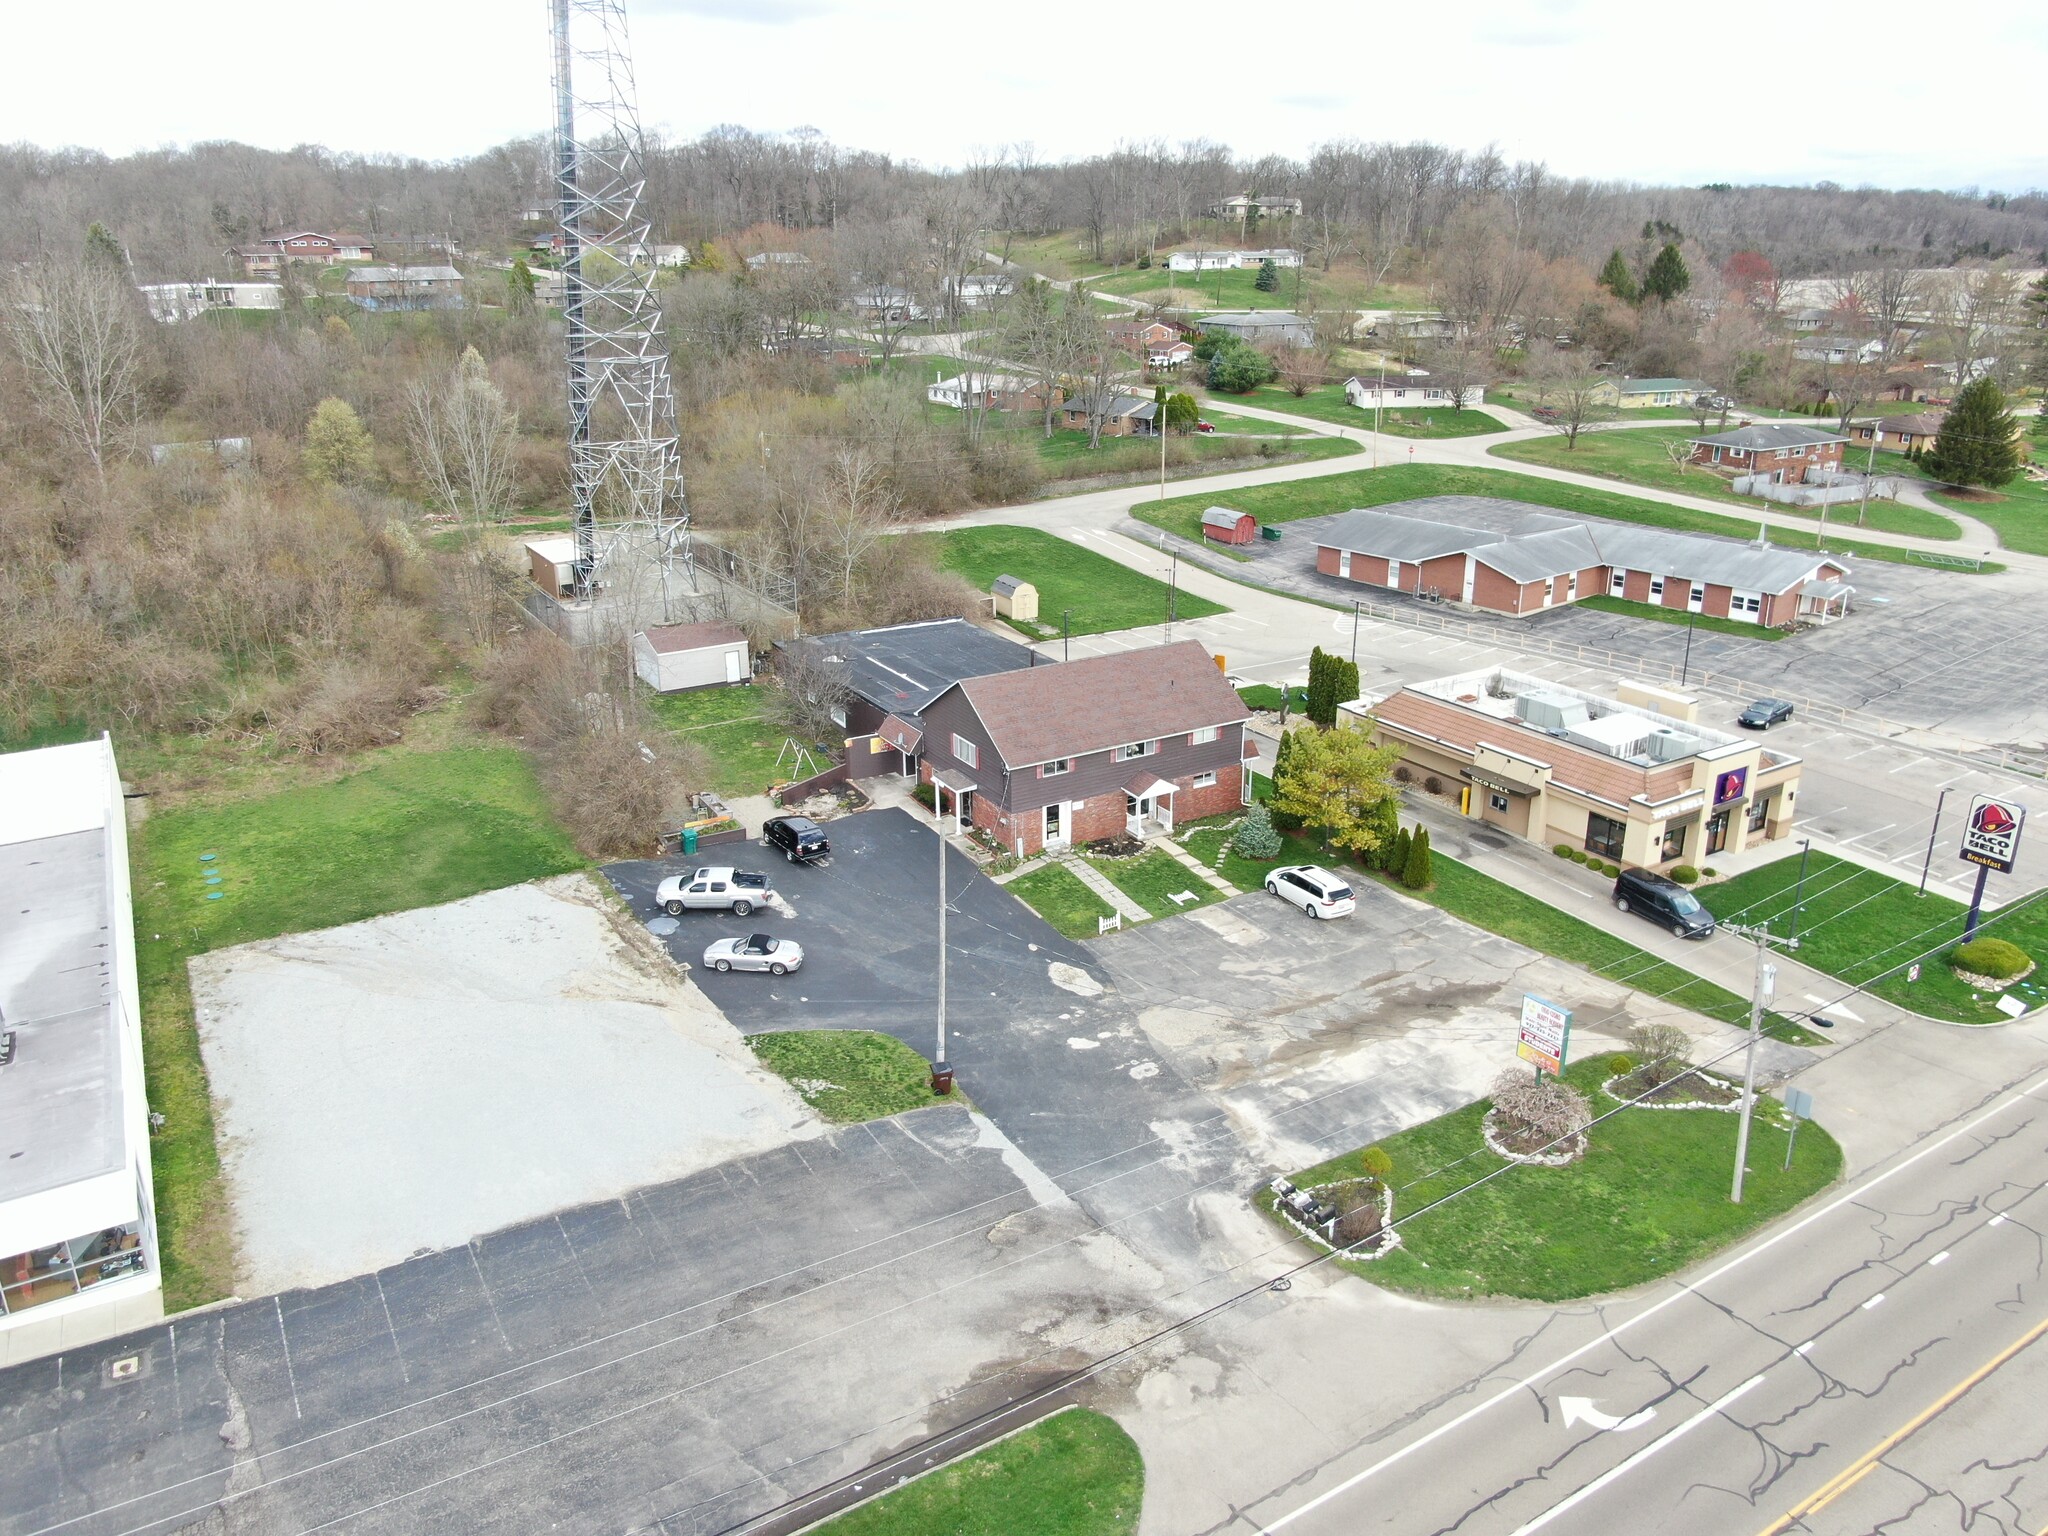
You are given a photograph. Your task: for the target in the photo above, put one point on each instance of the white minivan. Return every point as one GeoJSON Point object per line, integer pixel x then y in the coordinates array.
{"type": "Point", "coordinates": [1318, 892]}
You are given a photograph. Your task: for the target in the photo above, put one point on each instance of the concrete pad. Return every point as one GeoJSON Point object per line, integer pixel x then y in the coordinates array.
{"type": "Point", "coordinates": [405, 1083]}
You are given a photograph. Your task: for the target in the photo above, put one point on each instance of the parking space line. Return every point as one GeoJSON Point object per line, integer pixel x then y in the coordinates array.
{"type": "Point", "coordinates": [1862, 835]}
{"type": "Point", "coordinates": [1874, 747]}
{"type": "Point", "coordinates": [1914, 763]}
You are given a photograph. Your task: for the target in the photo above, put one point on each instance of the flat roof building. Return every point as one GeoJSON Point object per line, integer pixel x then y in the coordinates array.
{"type": "Point", "coordinates": [1633, 779]}
{"type": "Point", "coordinates": [78, 1252]}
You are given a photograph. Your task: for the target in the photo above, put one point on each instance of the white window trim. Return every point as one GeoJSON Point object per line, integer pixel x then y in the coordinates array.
{"type": "Point", "coordinates": [1202, 781]}
{"type": "Point", "coordinates": [1205, 735]}
{"type": "Point", "coordinates": [966, 751]}
{"type": "Point", "coordinates": [1131, 751]}
{"type": "Point", "coordinates": [1055, 768]}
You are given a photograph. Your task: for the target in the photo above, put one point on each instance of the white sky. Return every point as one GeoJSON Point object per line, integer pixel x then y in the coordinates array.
{"type": "Point", "coordinates": [1881, 92]}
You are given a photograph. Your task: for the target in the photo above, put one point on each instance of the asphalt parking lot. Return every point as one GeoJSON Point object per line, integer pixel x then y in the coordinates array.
{"type": "Point", "coordinates": [670, 1362]}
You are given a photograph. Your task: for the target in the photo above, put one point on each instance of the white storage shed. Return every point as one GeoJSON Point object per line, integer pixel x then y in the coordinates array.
{"type": "Point", "coordinates": [672, 657]}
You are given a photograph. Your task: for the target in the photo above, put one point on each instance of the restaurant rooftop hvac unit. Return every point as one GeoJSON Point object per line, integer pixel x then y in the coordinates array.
{"type": "Point", "coordinates": [1551, 711]}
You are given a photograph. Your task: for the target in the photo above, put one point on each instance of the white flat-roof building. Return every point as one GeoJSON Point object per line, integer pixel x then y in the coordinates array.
{"type": "Point", "coordinates": [78, 1248]}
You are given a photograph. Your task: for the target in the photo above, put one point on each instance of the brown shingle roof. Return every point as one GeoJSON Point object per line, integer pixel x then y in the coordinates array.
{"type": "Point", "coordinates": [670, 638]}
{"type": "Point", "coordinates": [1100, 702]}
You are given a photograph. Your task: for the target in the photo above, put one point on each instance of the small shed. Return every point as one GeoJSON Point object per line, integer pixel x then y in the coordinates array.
{"type": "Point", "coordinates": [672, 657]}
{"type": "Point", "coordinates": [1015, 597]}
{"type": "Point", "coordinates": [1226, 526]}
{"type": "Point", "coordinates": [551, 562]}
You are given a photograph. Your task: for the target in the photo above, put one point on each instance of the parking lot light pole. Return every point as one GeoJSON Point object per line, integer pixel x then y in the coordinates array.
{"type": "Point", "coordinates": [1066, 630]}
{"type": "Point", "coordinates": [1933, 827]}
{"type": "Point", "coordinates": [1685, 671]}
{"type": "Point", "coordinates": [1766, 981]}
{"type": "Point", "coordinates": [1354, 631]}
{"type": "Point", "coordinates": [942, 1069]}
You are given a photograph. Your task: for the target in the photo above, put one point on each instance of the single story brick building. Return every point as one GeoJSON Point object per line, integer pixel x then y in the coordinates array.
{"type": "Point", "coordinates": [1542, 561]}
{"type": "Point", "coordinates": [1063, 754]}
{"type": "Point", "coordinates": [1781, 453]}
{"type": "Point", "coordinates": [1636, 780]}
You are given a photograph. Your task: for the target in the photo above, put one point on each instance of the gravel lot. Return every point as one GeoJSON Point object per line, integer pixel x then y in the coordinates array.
{"type": "Point", "coordinates": [405, 1083]}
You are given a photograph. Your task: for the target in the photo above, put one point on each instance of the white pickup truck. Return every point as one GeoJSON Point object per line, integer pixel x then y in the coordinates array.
{"type": "Point", "coordinates": [717, 888]}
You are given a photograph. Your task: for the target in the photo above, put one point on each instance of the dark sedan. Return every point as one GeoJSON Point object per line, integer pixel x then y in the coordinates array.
{"type": "Point", "coordinates": [1764, 714]}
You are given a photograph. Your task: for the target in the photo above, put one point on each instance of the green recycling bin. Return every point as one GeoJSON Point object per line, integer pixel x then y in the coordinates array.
{"type": "Point", "coordinates": [689, 839]}
{"type": "Point", "coordinates": [1270, 532]}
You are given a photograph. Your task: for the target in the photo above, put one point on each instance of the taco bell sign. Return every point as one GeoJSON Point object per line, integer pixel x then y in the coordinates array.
{"type": "Point", "coordinates": [1991, 835]}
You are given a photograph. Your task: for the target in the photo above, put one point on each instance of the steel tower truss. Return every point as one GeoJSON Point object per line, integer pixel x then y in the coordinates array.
{"type": "Point", "coordinates": [624, 458]}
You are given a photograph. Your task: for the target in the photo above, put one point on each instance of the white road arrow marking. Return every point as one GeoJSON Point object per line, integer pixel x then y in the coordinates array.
{"type": "Point", "coordinates": [1581, 1410]}
{"type": "Point", "coordinates": [1828, 1007]}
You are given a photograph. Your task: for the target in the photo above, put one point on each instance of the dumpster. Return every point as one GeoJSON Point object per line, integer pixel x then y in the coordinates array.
{"type": "Point", "coordinates": [1270, 532]}
{"type": "Point", "coordinates": [689, 840]}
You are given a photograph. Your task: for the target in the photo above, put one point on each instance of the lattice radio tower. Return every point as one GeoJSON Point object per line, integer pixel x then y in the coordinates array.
{"type": "Point", "coordinates": [625, 462]}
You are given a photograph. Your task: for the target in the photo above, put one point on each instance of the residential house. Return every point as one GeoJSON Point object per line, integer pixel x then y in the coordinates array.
{"type": "Point", "coordinates": [258, 260]}
{"type": "Point", "coordinates": [304, 245]}
{"type": "Point", "coordinates": [879, 301]}
{"type": "Point", "coordinates": [1635, 779]}
{"type": "Point", "coordinates": [1417, 327]}
{"type": "Point", "coordinates": [1201, 261]}
{"type": "Point", "coordinates": [1534, 560]}
{"type": "Point", "coordinates": [670, 658]}
{"type": "Point", "coordinates": [975, 290]}
{"type": "Point", "coordinates": [989, 392]}
{"type": "Point", "coordinates": [893, 673]}
{"type": "Point", "coordinates": [1122, 415]}
{"type": "Point", "coordinates": [1646, 394]}
{"type": "Point", "coordinates": [1407, 391]}
{"type": "Point", "coordinates": [1170, 355]}
{"type": "Point", "coordinates": [1241, 206]}
{"type": "Point", "coordinates": [1784, 454]}
{"type": "Point", "coordinates": [778, 259]}
{"type": "Point", "coordinates": [1900, 434]}
{"type": "Point", "coordinates": [1136, 336]}
{"type": "Point", "coordinates": [664, 255]}
{"type": "Point", "coordinates": [1055, 755]}
{"type": "Point", "coordinates": [1838, 350]}
{"type": "Point", "coordinates": [1263, 325]}
{"type": "Point", "coordinates": [1279, 255]}
{"type": "Point", "coordinates": [169, 302]}
{"type": "Point", "coordinates": [426, 287]}
{"type": "Point", "coordinates": [78, 1238]}
{"type": "Point", "coordinates": [353, 248]}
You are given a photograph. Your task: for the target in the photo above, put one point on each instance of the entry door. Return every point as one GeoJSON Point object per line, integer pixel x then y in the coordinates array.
{"type": "Point", "coordinates": [1054, 829]}
{"type": "Point", "coordinates": [1717, 832]}
{"type": "Point", "coordinates": [732, 666]}
{"type": "Point", "coordinates": [1696, 598]}
{"type": "Point", "coordinates": [966, 807]}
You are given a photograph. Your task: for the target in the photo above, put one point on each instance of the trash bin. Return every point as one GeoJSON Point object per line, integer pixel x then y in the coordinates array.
{"type": "Point", "coordinates": [942, 1077]}
{"type": "Point", "coordinates": [1270, 532]}
{"type": "Point", "coordinates": [689, 840]}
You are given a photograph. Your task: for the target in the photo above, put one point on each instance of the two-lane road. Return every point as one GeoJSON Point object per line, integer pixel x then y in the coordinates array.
{"type": "Point", "coordinates": [1872, 1365]}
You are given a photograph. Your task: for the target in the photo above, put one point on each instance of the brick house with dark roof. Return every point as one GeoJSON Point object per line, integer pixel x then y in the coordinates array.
{"type": "Point", "coordinates": [1786, 454]}
{"type": "Point", "coordinates": [1057, 755]}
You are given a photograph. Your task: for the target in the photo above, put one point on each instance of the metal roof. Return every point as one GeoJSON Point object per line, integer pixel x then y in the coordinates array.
{"type": "Point", "coordinates": [1767, 437]}
{"type": "Point", "coordinates": [902, 668]}
{"type": "Point", "coordinates": [1655, 386]}
{"type": "Point", "coordinates": [1009, 586]}
{"type": "Point", "coordinates": [1222, 517]}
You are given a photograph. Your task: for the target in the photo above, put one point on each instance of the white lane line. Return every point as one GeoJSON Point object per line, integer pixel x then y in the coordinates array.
{"type": "Point", "coordinates": [291, 1374]}
{"type": "Point", "coordinates": [1613, 1474]}
{"type": "Point", "coordinates": [1802, 1349]}
{"type": "Point", "coordinates": [1873, 1301]}
{"type": "Point", "coordinates": [1862, 835]}
{"type": "Point", "coordinates": [1944, 784]}
{"type": "Point", "coordinates": [1996, 1221]}
{"type": "Point", "coordinates": [2022, 1096]}
{"type": "Point", "coordinates": [1879, 747]}
{"type": "Point", "coordinates": [1915, 763]}
{"type": "Point", "coordinates": [1939, 1258]}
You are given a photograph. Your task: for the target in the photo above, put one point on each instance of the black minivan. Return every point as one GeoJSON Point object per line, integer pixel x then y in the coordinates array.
{"type": "Point", "coordinates": [1662, 901]}
{"type": "Point", "coordinates": [800, 838]}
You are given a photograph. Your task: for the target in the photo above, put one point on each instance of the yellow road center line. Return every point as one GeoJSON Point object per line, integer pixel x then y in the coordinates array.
{"type": "Point", "coordinates": [1868, 1468]}
{"type": "Point", "coordinates": [1838, 1484]}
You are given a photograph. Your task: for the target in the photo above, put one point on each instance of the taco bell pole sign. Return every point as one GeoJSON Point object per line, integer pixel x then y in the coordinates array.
{"type": "Point", "coordinates": [1991, 835]}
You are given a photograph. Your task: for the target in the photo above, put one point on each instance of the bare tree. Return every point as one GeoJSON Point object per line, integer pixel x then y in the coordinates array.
{"type": "Point", "coordinates": [890, 291]}
{"type": "Point", "coordinates": [462, 435]}
{"type": "Point", "coordinates": [812, 692]}
{"type": "Point", "coordinates": [75, 327]}
{"type": "Point", "coordinates": [1568, 389]}
{"type": "Point", "coordinates": [1973, 308]}
{"type": "Point", "coordinates": [1457, 367]}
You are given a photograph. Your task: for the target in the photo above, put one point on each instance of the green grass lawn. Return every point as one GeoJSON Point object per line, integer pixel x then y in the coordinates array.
{"type": "Point", "coordinates": [1232, 288]}
{"type": "Point", "coordinates": [1152, 879]}
{"type": "Point", "coordinates": [848, 1074]}
{"type": "Point", "coordinates": [1269, 696]}
{"type": "Point", "coordinates": [1103, 594]}
{"type": "Point", "coordinates": [1247, 874]}
{"type": "Point", "coordinates": [1658, 613]}
{"type": "Point", "coordinates": [1074, 1474]}
{"type": "Point", "coordinates": [729, 727]}
{"type": "Point", "coordinates": [1326, 402]}
{"type": "Point", "coordinates": [1649, 1197]}
{"type": "Point", "coordinates": [1326, 494]}
{"type": "Point", "coordinates": [1066, 454]}
{"type": "Point", "coordinates": [1056, 894]}
{"type": "Point", "coordinates": [416, 829]}
{"type": "Point", "coordinates": [1857, 924]}
{"type": "Point", "coordinates": [2018, 512]}
{"type": "Point", "coordinates": [1640, 459]}
{"type": "Point", "coordinates": [1255, 426]}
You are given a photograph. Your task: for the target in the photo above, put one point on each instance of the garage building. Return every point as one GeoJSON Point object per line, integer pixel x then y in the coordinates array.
{"type": "Point", "coordinates": [670, 658]}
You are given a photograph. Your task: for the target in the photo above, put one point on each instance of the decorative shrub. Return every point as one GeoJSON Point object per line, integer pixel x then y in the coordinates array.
{"type": "Point", "coordinates": [1377, 1163]}
{"type": "Point", "coordinates": [926, 796]}
{"type": "Point", "coordinates": [1563, 850]}
{"type": "Point", "coordinates": [1685, 874]}
{"type": "Point", "coordinates": [1416, 873]}
{"type": "Point", "coordinates": [1710, 872]}
{"type": "Point", "coordinates": [1404, 775]}
{"type": "Point", "coordinates": [1610, 869]}
{"type": "Point", "coordinates": [1620, 1064]}
{"type": "Point", "coordinates": [1665, 1051]}
{"type": "Point", "coordinates": [1996, 958]}
{"type": "Point", "coordinates": [1576, 855]}
{"type": "Point", "coordinates": [1432, 785]}
{"type": "Point", "coordinates": [1256, 838]}
{"type": "Point", "coordinates": [1535, 1111]}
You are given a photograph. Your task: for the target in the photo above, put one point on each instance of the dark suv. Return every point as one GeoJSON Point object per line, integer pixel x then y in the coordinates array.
{"type": "Point", "coordinates": [801, 839]}
{"type": "Point", "coordinates": [1662, 901]}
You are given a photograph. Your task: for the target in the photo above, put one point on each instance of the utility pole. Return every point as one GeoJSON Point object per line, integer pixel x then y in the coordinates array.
{"type": "Point", "coordinates": [942, 1069]}
{"type": "Point", "coordinates": [1379, 402]}
{"type": "Point", "coordinates": [1869, 470]}
{"type": "Point", "coordinates": [1066, 630]}
{"type": "Point", "coordinates": [1799, 892]}
{"type": "Point", "coordinates": [1172, 595]}
{"type": "Point", "coordinates": [1766, 982]}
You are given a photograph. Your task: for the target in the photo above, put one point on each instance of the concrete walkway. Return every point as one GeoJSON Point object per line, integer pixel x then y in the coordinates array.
{"type": "Point", "coordinates": [1093, 878]}
{"type": "Point", "coordinates": [1204, 871]}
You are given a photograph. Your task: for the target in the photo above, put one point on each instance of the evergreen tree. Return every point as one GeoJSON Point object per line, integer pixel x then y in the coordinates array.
{"type": "Point", "coordinates": [519, 285]}
{"type": "Point", "coordinates": [101, 246]}
{"type": "Point", "coordinates": [1237, 369]}
{"type": "Point", "coordinates": [1616, 278]}
{"type": "Point", "coordinates": [1343, 683]}
{"type": "Point", "coordinates": [1322, 687]}
{"type": "Point", "coordinates": [1268, 280]}
{"type": "Point", "coordinates": [338, 447]}
{"type": "Point", "coordinates": [1415, 871]}
{"type": "Point", "coordinates": [1281, 765]}
{"type": "Point", "coordinates": [1976, 444]}
{"type": "Point", "coordinates": [1256, 837]}
{"type": "Point", "coordinates": [1182, 412]}
{"type": "Point", "coordinates": [1397, 861]}
{"type": "Point", "coordinates": [1668, 276]}
{"type": "Point", "coordinates": [1385, 820]}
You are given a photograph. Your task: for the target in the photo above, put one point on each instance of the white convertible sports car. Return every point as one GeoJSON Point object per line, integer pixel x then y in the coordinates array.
{"type": "Point", "coordinates": [756, 952]}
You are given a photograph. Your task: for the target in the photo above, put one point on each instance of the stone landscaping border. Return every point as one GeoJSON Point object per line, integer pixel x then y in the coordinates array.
{"type": "Point", "coordinates": [1573, 1149]}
